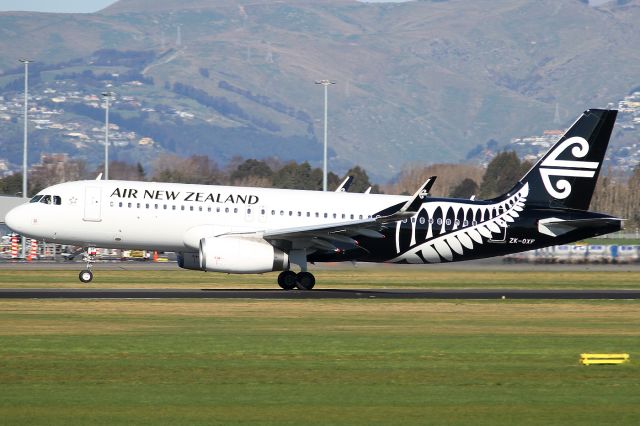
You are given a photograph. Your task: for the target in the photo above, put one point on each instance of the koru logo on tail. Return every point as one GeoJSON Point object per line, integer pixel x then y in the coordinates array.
{"type": "Point", "coordinates": [551, 166]}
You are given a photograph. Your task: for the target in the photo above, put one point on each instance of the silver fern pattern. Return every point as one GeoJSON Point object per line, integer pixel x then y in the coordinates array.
{"type": "Point", "coordinates": [441, 229]}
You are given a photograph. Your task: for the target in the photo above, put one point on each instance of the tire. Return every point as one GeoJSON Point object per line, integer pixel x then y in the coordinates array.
{"type": "Point", "coordinates": [305, 281]}
{"type": "Point", "coordinates": [85, 276]}
{"type": "Point", "coordinates": [287, 280]}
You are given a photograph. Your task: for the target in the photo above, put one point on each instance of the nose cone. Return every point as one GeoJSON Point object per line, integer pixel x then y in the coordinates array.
{"type": "Point", "coordinates": [17, 220]}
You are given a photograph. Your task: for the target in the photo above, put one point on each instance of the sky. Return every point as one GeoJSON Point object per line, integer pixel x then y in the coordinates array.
{"type": "Point", "coordinates": [64, 6]}
{"type": "Point", "coordinates": [88, 6]}
{"type": "Point", "coordinates": [78, 6]}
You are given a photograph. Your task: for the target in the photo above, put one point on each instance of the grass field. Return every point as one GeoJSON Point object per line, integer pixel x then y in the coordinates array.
{"type": "Point", "coordinates": [316, 361]}
{"type": "Point", "coordinates": [542, 277]}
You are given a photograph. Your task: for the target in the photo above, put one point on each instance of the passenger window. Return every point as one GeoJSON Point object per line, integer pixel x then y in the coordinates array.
{"type": "Point", "coordinates": [326, 215]}
{"type": "Point", "coordinates": [235, 210]}
{"type": "Point", "coordinates": [182, 208]}
{"type": "Point", "coordinates": [217, 209]}
{"type": "Point", "coordinates": [344, 216]}
{"type": "Point", "coordinates": [111, 204]}
{"type": "Point", "coordinates": [209, 209]}
{"type": "Point", "coordinates": [290, 213]}
{"type": "Point", "coordinates": [200, 208]}
{"type": "Point", "coordinates": [130, 204]}
{"type": "Point", "coordinates": [173, 207]}
{"type": "Point", "coordinates": [155, 206]}
{"type": "Point", "coordinates": [248, 211]}
{"type": "Point", "coordinates": [299, 214]}
{"type": "Point", "coordinates": [120, 204]}
{"type": "Point", "coordinates": [281, 212]}
{"type": "Point", "coordinates": [360, 217]}
{"type": "Point", "coordinates": [147, 205]}
{"type": "Point", "coordinates": [262, 211]}
{"type": "Point", "coordinates": [138, 205]}
{"type": "Point", "coordinates": [351, 216]}
{"type": "Point", "coordinates": [317, 214]}
{"type": "Point", "coordinates": [164, 206]}
{"type": "Point", "coordinates": [273, 212]}
{"type": "Point", "coordinates": [226, 209]}
{"type": "Point", "coordinates": [308, 214]}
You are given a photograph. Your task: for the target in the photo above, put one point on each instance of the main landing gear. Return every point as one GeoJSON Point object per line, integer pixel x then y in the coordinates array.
{"type": "Point", "coordinates": [288, 280]}
{"type": "Point", "coordinates": [89, 256]}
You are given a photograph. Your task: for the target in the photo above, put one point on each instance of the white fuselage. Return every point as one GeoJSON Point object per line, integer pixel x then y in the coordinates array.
{"type": "Point", "coordinates": [155, 215]}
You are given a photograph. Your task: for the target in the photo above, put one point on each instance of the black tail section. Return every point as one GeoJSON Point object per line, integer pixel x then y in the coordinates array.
{"type": "Point", "coordinates": [566, 175]}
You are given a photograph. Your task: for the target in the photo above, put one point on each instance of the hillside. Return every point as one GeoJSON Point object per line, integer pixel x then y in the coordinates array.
{"type": "Point", "coordinates": [422, 81]}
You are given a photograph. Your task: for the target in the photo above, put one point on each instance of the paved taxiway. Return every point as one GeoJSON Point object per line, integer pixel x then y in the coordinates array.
{"type": "Point", "coordinates": [314, 294]}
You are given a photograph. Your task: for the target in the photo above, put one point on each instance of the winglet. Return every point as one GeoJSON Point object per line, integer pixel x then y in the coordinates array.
{"type": "Point", "coordinates": [344, 186]}
{"type": "Point", "coordinates": [413, 204]}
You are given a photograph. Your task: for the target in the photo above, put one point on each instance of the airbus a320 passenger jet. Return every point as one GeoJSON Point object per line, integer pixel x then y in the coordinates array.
{"type": "Point", "coordinates": [254, 230]}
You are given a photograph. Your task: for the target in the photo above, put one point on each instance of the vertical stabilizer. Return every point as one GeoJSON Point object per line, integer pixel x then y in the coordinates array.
{"type": "Point", "coordinates": [566, 176]}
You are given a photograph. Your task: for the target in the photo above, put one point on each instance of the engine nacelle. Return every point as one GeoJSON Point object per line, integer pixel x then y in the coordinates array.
{"type": "Point", "coordinates": [189, 261]}
{"type": "Point", "coordinates": [239, 255]}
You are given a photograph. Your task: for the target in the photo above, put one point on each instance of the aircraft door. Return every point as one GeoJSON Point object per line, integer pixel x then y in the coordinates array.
{"type": "Point", "coordinates": [92, 204]}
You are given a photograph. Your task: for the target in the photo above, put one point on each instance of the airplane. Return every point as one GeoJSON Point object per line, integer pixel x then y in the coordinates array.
{"type": "Point", "coordinates": [242, 230]}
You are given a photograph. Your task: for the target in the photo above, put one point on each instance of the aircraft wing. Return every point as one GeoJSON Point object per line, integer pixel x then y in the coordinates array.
{"type": "Point", "coordinates": [323, 235]}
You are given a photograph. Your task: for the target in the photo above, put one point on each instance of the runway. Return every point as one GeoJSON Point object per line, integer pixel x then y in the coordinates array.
{"type": "Point", "coordinates": [478, 294]}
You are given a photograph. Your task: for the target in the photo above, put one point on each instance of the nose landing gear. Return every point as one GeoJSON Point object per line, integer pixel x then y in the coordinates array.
{"type": "Point", "coordinates": [86, 276]}
{"type": "Point", "coordinates": [89, 256]}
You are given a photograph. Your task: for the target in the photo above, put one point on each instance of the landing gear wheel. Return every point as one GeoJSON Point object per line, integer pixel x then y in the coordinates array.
{"type": "Point", "coordinates": [287, 280]}
{"type": "Point", "coordinates": [305, 281]}
{"type": "Point", "coordinates": [86, 276]}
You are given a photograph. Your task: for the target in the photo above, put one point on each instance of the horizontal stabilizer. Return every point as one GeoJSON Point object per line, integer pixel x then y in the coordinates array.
{"type": "Point", "coordinates": [556, 227]}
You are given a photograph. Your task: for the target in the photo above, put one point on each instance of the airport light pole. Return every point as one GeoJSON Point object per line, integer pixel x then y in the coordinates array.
{"type": "Point", "coordinates": [26, 63]}
{"type": "Point", "coordinates": [107, 97]}
{"type": "Point", "coordinates": [326, 84]}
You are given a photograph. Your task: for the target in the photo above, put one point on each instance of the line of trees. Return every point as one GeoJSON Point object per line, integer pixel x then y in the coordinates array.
{"type": "Point", "coordinates": [196, 169]}
{"type": "Point", "coordinates": [616, 193]}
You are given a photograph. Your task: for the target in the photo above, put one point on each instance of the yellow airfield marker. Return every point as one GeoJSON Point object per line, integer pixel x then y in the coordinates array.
{"type": "Point", "coordinates": [603, 359]}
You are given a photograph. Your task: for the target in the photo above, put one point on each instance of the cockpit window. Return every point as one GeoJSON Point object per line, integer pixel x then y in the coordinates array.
{"type": "Point", "coordinates": [47, 199]}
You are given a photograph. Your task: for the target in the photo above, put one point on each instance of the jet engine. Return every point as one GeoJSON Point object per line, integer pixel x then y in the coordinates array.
{"type": "Point", "coordinates": [189, 261]}
{"type": "Point", "coordinates": [239, 255]}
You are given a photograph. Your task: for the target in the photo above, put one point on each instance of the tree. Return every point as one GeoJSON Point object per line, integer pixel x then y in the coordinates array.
{"type": "Point", "coordinates": [123, 171]}
{"type": "Point", "coordinates": [465, 189]}
{"type": "Point", "coordinates": [360, 180]}
{"type": "Point", "coordinates": [195, 169]}
{"type": "Point", "coordinates": [53, 169]}
{"type": "Point", "coordinates": [502, 174]}
{"type": "Point", "coordinates": [449, 176]}
{"type": "Point", "coordinates": [12, 184]}
{"type": "Point", "coordinates": [251, 168]}
{"type": "Point", "coordinates": [297, 176]}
